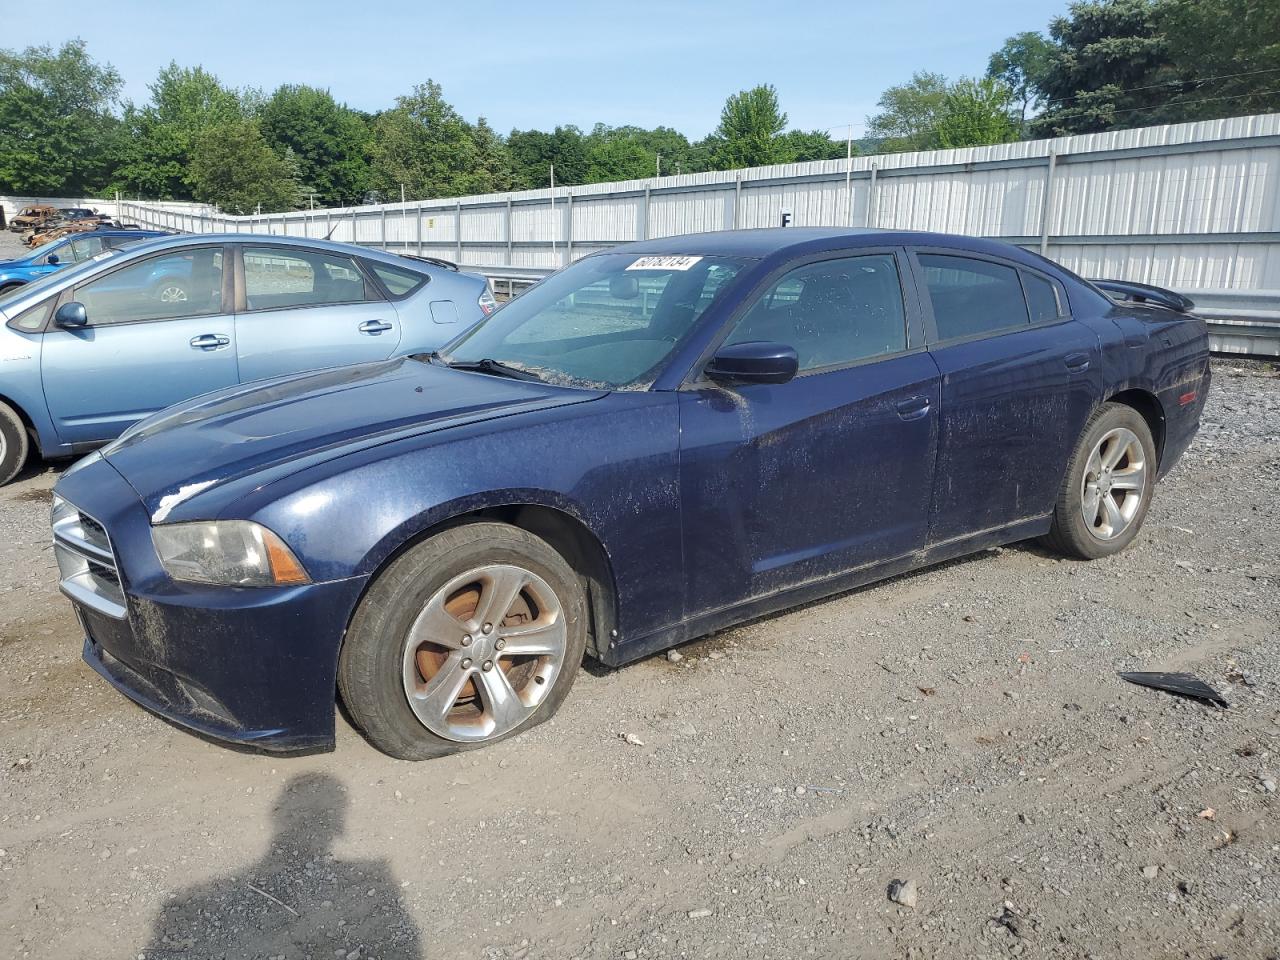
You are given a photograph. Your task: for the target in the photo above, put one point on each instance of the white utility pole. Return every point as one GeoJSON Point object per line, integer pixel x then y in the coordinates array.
{"type": "Point", "coordinates": [554, 262]}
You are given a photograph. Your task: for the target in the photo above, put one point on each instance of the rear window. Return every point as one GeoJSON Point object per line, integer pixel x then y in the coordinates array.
{"type": "Point", "coordinates": [398, 281]}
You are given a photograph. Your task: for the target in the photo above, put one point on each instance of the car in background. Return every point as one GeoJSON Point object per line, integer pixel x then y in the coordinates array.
{"type": "Point", "coordinates": [659, 441]}
{"type": "Point", "coordinates": [58, 254]}
{"type": "Point", "coordinates": [31, 216]}
{"type": "Point", "coordinates": [88, 350]}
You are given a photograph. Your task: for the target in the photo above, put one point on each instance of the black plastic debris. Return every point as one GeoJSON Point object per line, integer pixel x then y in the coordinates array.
{"type": "Point", "coordinates": [1180, 684]}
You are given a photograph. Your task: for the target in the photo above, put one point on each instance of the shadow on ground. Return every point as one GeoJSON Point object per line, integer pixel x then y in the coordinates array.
{"type": "Point", "coordinates": [299, 900]}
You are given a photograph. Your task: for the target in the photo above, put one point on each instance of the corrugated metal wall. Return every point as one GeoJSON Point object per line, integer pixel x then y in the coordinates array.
{"type": "Point", "coordinates": [1193, 205]}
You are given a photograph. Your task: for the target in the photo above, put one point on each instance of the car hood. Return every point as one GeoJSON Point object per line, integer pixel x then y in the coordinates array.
{"type": "Point", "coordinates": [271, 429]}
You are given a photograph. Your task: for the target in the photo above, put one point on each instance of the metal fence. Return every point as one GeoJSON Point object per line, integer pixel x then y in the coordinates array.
{"type": "Point", "coordinates": [1194, 207]}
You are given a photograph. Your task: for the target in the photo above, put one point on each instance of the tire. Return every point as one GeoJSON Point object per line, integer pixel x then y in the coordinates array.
{"type": "Point", "coordinates": [14, 443]}
{"type": "Point", "coordinates": [419, 630]}
{"type": "Point", "coordinates": [1101, 508]}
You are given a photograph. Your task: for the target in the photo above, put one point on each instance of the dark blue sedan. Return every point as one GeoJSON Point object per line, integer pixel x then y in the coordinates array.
{"type": "Point", "coordinates": [657, 442]}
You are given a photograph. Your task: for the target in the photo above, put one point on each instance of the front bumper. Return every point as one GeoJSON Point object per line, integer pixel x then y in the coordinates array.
{"type": "Point", "coordinates": [247, 665]}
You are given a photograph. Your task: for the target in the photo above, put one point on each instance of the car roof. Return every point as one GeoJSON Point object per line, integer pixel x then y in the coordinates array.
{"type": "Point", "coordinates": [180, 240]}
{"type": "Point", "coordinates": [798, 241]}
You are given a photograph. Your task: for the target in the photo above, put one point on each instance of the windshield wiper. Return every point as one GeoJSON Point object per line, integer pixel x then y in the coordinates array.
{"type": "Point", "coordinates": [487, 365]}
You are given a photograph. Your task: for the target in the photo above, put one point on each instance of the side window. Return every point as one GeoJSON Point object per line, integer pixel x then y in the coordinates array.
{"type": "Point", "coordinates": [83, 248]}
{"type": "Point", "coordinates": [972, 297]}
{"type": "Point", "coordinates": [181, 284]}
{"type": "Point", "coordinates": [1044, 298]}
{"type": "Point", "coordinates": [832, 312]}
{"type": "Point", "coordinates": [60, 254]}
{"type": "Point", "coordinates": [276, 277]}
{"type": "Point", "coordinates": [399, 282]}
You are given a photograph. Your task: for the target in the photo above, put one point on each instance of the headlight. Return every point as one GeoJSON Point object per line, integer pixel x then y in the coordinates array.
{"type": "Point", "coordinates": [235, 553]}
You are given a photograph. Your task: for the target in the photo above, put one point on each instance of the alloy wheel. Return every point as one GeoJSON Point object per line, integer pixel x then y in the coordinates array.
{"type": "Point", "coordinates": [1114, 483]}
{"type": "Point", "coordinates": [173, 294]}
{"type": "Point", "coordinates": [484, 653]}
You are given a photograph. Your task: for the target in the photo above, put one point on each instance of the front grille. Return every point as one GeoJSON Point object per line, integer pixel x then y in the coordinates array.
{"type": "Point", "coordinates": [86, 562]}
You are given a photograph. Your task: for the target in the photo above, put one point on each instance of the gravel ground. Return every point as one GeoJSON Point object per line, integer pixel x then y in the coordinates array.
{"type": "Point", "coordinates": [961, 728]}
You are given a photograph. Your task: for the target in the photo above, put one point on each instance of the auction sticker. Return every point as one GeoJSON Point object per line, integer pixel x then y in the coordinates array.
{"type": "Point", "coordinates": [664, 263]}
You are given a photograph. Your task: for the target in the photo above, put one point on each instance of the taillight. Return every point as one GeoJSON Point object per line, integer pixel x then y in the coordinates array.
{"type": "Point", "coordinates": [487, 303]}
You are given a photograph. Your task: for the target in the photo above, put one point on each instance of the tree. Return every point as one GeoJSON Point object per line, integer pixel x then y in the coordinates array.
{"type": "Point", "coordinates": [1110, 68]}
{"type": "Point", "coordinates": [1022, 64]}
{"type": "Point", "coordinates": [534, 151]}
{"type": "Point", "coordinates": [185, 102]}
{"type": "Point", "coordinates": [426, 146]}
{"type": "Point", "coordinates": [749, 134]}
{"type": "Point", "coordinates": [909, 113]}
{"type": "Point", "coordinates": [330, 141]}
{"type": "Point", "coordinates": [619, 159]}
{"type": "Point", "coordinates": [975, 113]}
{"type": "Point", "coordinates": [1236, 42]}
{"type": "Point", "coordinates": [233, 166]}
{"type": "Point", "coordinates": [801, 145]}
{"type": "Point", "coordinates": [56, 125]}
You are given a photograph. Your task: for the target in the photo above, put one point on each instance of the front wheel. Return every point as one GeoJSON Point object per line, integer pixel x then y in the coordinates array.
{"type": "Point", "coordinates": [14, 444]}
{"type": "Point", "coordinates": [1108, 485]}
{"type": "Point", "coordinates": [469, 637]}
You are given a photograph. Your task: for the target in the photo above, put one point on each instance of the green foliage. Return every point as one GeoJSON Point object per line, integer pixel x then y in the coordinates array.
{"type": "Point", "coordinates": [909, 114]}
{"type": "Point", "coordinates": [1022, 64]}
{"type": "Point", "coordinates": [749, 134]}
{"type": "Point", "coordinates": [426, 146]}
{"type": "Point", "coordinates": [330, 141]}
{"type": "Point", "coordinates": [233, 166]}
{"type": "Point", "coordinates": [1235, 41]}
{"type": "Point", "coordinates": [534, 151]}
{"type": "Point", "coordinates": [801, 145]}
{"type": "Point", "coordinates": [56, 125]}
{"type": "Point", "coordinates": [156, 157]}
{"type": "Point", "coordinates": [976, 112]}
{"type": "Point", "coordinates": [1110, 68]}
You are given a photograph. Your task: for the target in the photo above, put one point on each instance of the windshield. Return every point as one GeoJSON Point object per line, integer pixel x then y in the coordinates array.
{"type": "Point", "coordinates": [607, 322]}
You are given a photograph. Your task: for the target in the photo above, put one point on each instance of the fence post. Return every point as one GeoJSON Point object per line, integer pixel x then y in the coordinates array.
{"type": "Point", "coordinates": [383, 220]}
{"type": "Point", "coordinates": [418, 229]}
{"type": "Point", "coordinates": [568, 230]}
{"type": "Point", "coordinates": [737, 200]}
{"type": "Point", "coordinates": [510, 261]}
{"type": "Point", "coordinates": [1046, 205]}
{"type": "Point", "coordinates": [873, 196]}
{"type": "Point", "coordinates": [644, 226]}
{"type": "Point", "coordinates": [457, 231]}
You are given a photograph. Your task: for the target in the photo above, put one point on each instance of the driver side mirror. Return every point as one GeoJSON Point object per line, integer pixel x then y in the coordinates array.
{"type": "Point", "coordinates": [52, 260]}
{"type": "Point", "coordinates": [757, 361]}
{"type": "Point", "coordinates": [71, 314]}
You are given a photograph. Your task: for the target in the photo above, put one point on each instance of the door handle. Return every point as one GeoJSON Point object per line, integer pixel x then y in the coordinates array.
{"type": "Point", "coordinates": [913, 408]}
{"type": "Point", "coordinates": [210, 341]}
{"type": "Point", "coordinates": [374, 326]}
{"type": "Point", "coordinates": [1076, 362]}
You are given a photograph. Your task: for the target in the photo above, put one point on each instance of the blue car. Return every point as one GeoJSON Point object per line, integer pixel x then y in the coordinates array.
{"type": "Point", "coordinates": [657, 442]}
{"type": "Point", "coordinates": [73, 249]}
{"type": "Point", "coordinates": [94, 348]}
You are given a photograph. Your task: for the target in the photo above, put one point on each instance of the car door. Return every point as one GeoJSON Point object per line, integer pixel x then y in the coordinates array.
{"type": "Point", "coordinates": [144, 346]}
{"type": "Point", "coordinates": [787, 483]}
{"type": "Point", "coordinates": [1019, 379]}
{"type": "Point", "coordinates": [307, 308]}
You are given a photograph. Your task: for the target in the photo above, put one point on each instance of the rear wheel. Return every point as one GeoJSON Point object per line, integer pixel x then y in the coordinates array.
{"type": "Point", "coordinates": [1107, 489]}
{"type": "Point", "coordinates": [470, 637]}
{"type": "Point", "coordinates": [14, 443]}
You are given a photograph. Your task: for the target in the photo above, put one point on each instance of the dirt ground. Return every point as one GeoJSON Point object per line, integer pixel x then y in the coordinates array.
{"type": "Point", "coordinates": [962, 727]}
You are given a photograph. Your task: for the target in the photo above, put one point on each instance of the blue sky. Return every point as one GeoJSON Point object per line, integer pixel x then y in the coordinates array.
{"type": "Point", "coordinates": [559, 61]}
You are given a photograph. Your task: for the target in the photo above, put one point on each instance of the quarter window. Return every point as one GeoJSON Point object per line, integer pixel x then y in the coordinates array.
{"type": "Point", "coordinates": [399, 282]}
{"type": "Point", "coordinates": [182, 284]}
{"type": "Point", "coordinates": [275, 277]}
{"type": "Point", "coordinates": [832, 312]}
{"type": "Point", "coordinates": [1044, 299]}
{"type": "Point", "coordinates": [972, 297]}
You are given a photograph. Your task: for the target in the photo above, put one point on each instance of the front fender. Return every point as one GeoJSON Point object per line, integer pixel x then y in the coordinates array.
{"type": "Point", "coordinates": [611, 465]}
